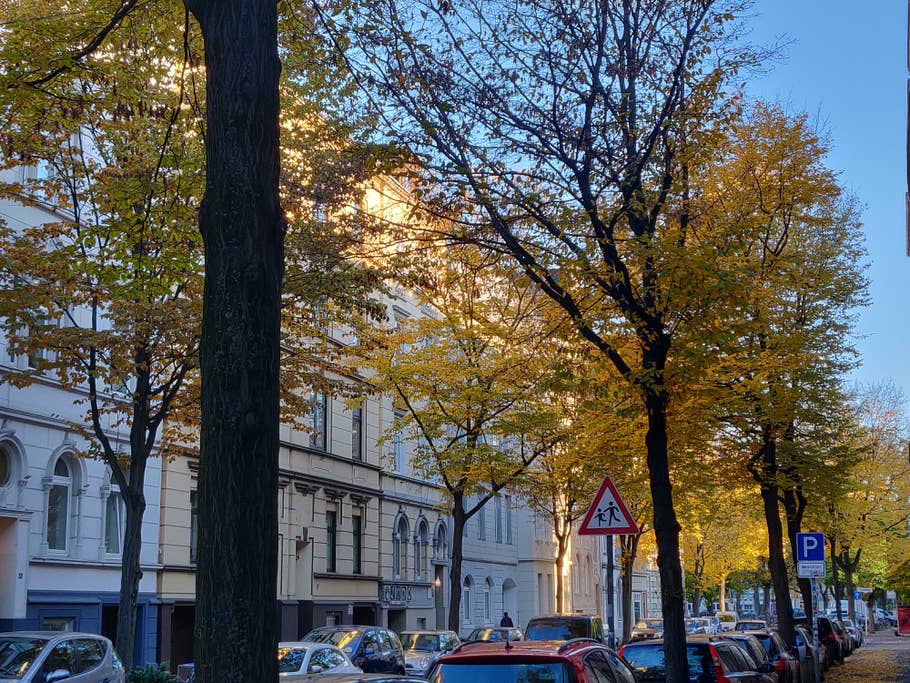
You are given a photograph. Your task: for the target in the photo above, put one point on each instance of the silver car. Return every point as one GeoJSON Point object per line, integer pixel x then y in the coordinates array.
{"type": "Point", "coordinates": [423, 648]}
{"type": "Point", "coordinates": [299, 661]}
{"type": "Point", "coordinates": [48, 656]}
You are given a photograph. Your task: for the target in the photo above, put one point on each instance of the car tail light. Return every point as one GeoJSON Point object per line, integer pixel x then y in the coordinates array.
{"type": "Point", "coordinates": [718, 668]}
{"type": "Point", "coordinates": [832, 637]}
{"type": "Point", "coordinates": [779, 664]}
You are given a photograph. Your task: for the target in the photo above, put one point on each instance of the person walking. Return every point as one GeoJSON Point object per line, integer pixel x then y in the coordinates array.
{"type": "Point", "coordinates": [506, 620]}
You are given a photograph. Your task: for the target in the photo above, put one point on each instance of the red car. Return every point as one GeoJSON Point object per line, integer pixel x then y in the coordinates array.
{"type": "Point", "coordinates": [580, 660]}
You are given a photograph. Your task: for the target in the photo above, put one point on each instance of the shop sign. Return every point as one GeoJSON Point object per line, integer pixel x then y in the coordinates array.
{"type": "Point", "coordinates": [395, 593]}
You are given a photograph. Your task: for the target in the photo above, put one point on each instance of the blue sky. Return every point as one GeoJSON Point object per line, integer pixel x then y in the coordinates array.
{"type": "Point", "coordinates": [847, 64]}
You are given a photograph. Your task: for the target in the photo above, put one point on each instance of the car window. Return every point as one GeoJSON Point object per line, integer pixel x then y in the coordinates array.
{"type": "Point", "coordinates": [290, 659]}
{"type": "Point", "coordinates": [60, 657]}
{"type": "Point", "coordinates": [394, 640]}
{"type": "Point", "coordinates": [598, 669]}
{"type": "Point", "coordinates": [451, 641]}
{"type": "Point", "coordinates": [621, 671]}
{"type": "Point", "coordinates": [507, 672]}
{"type": "Point", "coordinates": [326, 658]}
{"type": "Point", "coordinates": [385, 642]}
{"type": "Point", "coordinates": [371, 641]}
{"type": "Point", "coordinates": [89, 654]}
{"type": "Point", "coordinates": [17, 654]}
{"type": "Point", "coordinates": [778, 647]}
{"type": "Point", "coordinates": [734, 659]}
{"type": "Point", "coordinates": [334, 637]}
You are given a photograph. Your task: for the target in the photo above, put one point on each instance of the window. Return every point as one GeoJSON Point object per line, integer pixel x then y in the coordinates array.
{"type": "Point", "coordinates": [89, 654]}
{"type": "Point", "coordinates": [357, 433]}
{"type": "Point", "coordinates": [440, 543]}
{"type": "Point", "coordinates": [466, 600]}
{"type": "Point", "coordinates": [482, 524]}
{"type": "Point", "coordinates": [398, 444]}
{"type": "Point", "coordinates": [6, 466]}
{"type": "Point", "coordinates": [420, 549]}
{"type": "Point", "coordinates": [400, 548]}
{"type": "Point", "coordinates": [357, 534]}
{"type": "Point", "coordinates": [58, 505]}
{"type": "Point", "coordinates": [498, 508]}
{"type": "Point", "coordinates": [57, 624]}
{"type": "Point", "coordinates": [317, 421]}
{"type": "Point", "coordinates": [488, 602]}
{"type": "Point", "coordinates": [331, 540]}
{"type": "Point", "coordinates": [113, 522]}
{"type": "Point", "coordinates": [509, 520]}
{"type": "Point", "coordinates": [194, 526]}
{"type": "Point", "coordinates": [61, 657]}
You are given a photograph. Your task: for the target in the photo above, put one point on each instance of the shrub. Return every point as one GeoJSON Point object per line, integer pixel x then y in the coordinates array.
{"type": "Point", "coordinates": [151, 673]}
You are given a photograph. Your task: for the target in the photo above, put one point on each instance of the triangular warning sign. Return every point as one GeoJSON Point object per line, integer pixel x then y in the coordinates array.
{"type": "Point", "coordinates": [608, 514]}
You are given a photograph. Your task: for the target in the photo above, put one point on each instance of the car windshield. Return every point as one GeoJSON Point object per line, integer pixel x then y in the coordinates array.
{"type": "Point", "coordinates": [749, 625]}
{"type": "Point", "coordinates": [726, 617]}
{"type": "Point", "coordinates": [647, 660]}
{"type": "Point", "coordinates": [290, 659]}
{"type": "Point", "coordinates": [425, 642]}
{"type": "Point", "coordinates": [17, 655]}
{"type": "Point", "coordinates": [511, 672]}
{"type": "Point", "coordinates": [562, 629]}
{"type": "Point", "coordinates": [650, 623]}
{"type": "Point", "coordinates": [327, 635]}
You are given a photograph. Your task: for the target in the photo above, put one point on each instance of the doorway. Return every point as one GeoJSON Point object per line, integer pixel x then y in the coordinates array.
{"type": "Point", "coordinates": [398, 620]}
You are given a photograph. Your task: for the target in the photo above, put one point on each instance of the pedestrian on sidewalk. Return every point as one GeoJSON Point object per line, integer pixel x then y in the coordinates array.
{"type": "Point", "coordinates": [506, 620]}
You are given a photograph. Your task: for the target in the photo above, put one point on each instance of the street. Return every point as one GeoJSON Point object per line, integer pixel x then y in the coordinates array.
{"type": "Point", "coordinates": [884, 658]}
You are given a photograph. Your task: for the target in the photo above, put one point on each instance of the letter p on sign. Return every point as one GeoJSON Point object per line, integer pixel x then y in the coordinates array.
{"type": "Point", "coordinates": [810, 547]}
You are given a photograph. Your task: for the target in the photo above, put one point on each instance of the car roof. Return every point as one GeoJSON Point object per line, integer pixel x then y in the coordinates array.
{"type": "Point", "coordinates": [564, 615]}
{"type": "Point", "coordinates": [48, 635]}
{"type": "Point", "coordinates": [347, 627]}
{"type": "Point", "coordinates": [430, 632]}
{"type": "Point", "coordinates": [304, 643]}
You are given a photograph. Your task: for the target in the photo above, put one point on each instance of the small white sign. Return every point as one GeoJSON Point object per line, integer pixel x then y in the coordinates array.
{"type": "Point", "coordinates": [810, 570]}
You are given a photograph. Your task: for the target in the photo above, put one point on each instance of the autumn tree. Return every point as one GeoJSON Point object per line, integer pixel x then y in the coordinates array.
{"type": "Point", "coordinates": [104, 292]}
{"type": "Point", "coordinates": [470, 378]}
{"type": "Point", "coordinates": [780, 365]}
{"type": "Point", "coordinates": [562, 133]}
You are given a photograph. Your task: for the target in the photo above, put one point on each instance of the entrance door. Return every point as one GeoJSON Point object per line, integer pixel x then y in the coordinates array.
{"type": "Point", "coordinates": [365, 615]}
{"type": "Point", "coordinates": [9, 551]}
{"type": "Point", "coordinates": [303, 583]}
{"type": "Point", "coordinates": [398, 620]}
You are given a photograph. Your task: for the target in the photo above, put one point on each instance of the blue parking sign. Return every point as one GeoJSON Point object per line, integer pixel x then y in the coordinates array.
{"type": "Point", "coordinates": [810, 547]}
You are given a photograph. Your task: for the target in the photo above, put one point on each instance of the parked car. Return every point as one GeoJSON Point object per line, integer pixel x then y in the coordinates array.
{"type": "Point", "coordinates": [694, 626]}
{"type": "Point", "coordinates": [423, 648]}
{"type": "Point", "coordinates": [496, 634]}
{"type": "Point", "coordinates": [752, 647]}
{"type": "Point", "coordinates": [727, 620]}
{"type": "Point", "coordinates": [372, 678]}
{"type": "Point", "coordinates": [372, 648]}
{"type": "Point", "coordinates": [714, 660]}
{"type": "Point", "coordinates": [580, 660]}
{"type": "Point", "coordinates": [805, 653]}
{"type": "Point", "coordinates": [566, 627]}
{"type": "Point", "coordinates": [647, 629]}
{"type": "Point", "coordinates": [784, 660]}
{"type": "Point", "coordinates": [299, 661]}
{"type": "Point", "coordinates": [846, 641]}
{"type": "Point", "coordinates": [828, 637]}
{"type": "Point", "coordinates": [48, 656]}
{"type": "Point", "coordinates": [853, 631]}
{"type": "Point", "coordinates": [750, 625]}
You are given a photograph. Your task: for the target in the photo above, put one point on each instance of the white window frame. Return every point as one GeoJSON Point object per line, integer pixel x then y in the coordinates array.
{"type": "Point", "coordinates": [57, 480]}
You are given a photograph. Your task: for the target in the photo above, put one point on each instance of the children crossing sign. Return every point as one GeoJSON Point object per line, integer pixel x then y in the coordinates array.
{"type": "Point", "coordinates": [608, 514]}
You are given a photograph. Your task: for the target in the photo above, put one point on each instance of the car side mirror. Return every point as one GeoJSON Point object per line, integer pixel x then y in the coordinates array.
{"type": "Point", "coordinates": [314, 669]}
{"type": "Point", "coordinates": [56, 675]}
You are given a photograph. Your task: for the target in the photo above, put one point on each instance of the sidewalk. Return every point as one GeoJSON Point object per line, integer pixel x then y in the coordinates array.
{"type": "Point", "coordinates": [884, 658]}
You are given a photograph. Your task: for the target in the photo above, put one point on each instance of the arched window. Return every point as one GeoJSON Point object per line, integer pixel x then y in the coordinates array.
{"type": "Point", "coordinates": [6, 466]}
{"type": "Point", "coordinates": [589, 574]}
{"type": "Point", "coordinates": [400, 548]}
{"type": "Point", "coordinates": [466, 600]}
{"type": "Point", "coordinates": [58, 505]}
{"type": "Point", "coordinates": [114, 516]}
{"type": "Point", "coordinates": [488, 601]}
{"type": "Point", "coordinates": [421, 541]}
{"type": "Point", "coordinates": [441, 543]}
{"type": "Point", "coordinates": [576, 574]}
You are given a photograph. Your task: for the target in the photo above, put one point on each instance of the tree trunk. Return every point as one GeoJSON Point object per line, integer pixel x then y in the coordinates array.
{"type": "Point", "coordinates": [722, 593]}
{"type": "Point", "coordinates": [666, 526]}
{"type": "Point", "coordinates": [794, 508]}
{"type": "Point", "coordinates": [698, 572]}
{"type": "Point", "coordinates": [629, 545]}
{"type": "Point", "coordinates": [242, 227]}
{"type": "Point", "coordinates": [835, 575]}
{"type": "Point", "coordinates": [562, 546]}
{"type": "Point", "coordinates": [130, 575]}
{"type": "Point", "coordinates": [776, 562]}
{"type": "Point", "coordinates": [458, 522]}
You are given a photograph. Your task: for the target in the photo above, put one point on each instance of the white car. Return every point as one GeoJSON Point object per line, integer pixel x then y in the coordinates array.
{"type": "Point", "coordinates": [48, 656]}
{"type": "Point", "coordinates": [301, 661]}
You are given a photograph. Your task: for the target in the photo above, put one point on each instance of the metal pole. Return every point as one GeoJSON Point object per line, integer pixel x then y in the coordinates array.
{"type": "Point", "coordinates": [611, 597]}
{"type": "Point", "coordinates": [818, 673]}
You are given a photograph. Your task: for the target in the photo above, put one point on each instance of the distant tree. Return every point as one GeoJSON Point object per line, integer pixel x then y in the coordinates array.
{"type": "Point", "coordinates": [470, 379]}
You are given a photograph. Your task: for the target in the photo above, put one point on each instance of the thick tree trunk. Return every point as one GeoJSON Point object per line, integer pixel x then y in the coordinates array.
{"type": "Point", "coordinates": [130, 575]}
{"type": "Point", "coordinates": [629, 545]}
{"type": "Point", "coordinates": [776, 562]}
{"type": "Point", "coordinates": [722, 593]}
{"type": "Point", "coordinates": [242, 227]}
{"type": "Point", "coordinates": [458, 522]}
{"type": "Point", "coordinates": [666, 526]}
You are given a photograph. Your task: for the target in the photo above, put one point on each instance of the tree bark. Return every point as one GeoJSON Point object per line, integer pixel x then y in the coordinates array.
{"type": "Point", "coordinates": [629, 545]}
{"type": "Point", "coordinates": [458, 523]}
{"type": "Point", "coordinates": [130, 575]}
{"type": "Point", "coordinates": [242, 227]}
{"type": "Point", "coordinates": [562, 545]}
{"type": "Point", "coordinates": [794, 508]}
{"type": "Point", "coordinates": [666, 526]}
{"type": "Point", "coordinates": [776, 562]}
{"type": "Point", "coordinates": [722, 596]}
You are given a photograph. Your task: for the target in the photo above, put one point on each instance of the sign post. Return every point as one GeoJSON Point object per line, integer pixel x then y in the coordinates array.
{"type": "Point", "coordinates": [609, 516]}
{"type": "Point", "coordinates": [810, 564]}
